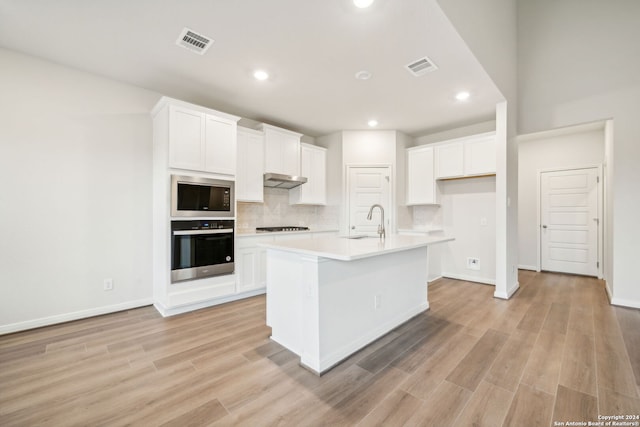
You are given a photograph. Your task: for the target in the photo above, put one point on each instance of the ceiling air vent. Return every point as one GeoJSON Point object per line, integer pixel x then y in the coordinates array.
{"type": "Point", "coordinates": [421, 66]}
{"type": "Point", "coordinates": [193, 41]}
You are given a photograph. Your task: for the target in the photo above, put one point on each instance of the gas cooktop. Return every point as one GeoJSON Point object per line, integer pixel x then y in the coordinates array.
{"type": "Point", "coordinates": [280, 228]}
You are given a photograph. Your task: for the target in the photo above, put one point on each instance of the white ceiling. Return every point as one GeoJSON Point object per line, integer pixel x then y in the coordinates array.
{"type": "Point", "coordinates": [311, 48]}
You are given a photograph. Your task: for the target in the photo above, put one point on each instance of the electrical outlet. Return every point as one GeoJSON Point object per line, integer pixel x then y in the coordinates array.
{"type": "Point", "coordinates": [483, 222]}
{"type": "Point", "coordinates": [473, 263]}
{"type": "Point", "coordinates": [376, 301]}
{"type": "Point", "coordinates": [108, 284]}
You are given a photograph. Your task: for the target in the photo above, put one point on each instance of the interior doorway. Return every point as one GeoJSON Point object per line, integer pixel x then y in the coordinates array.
{"type": "Point", "coordinates": [570, 213]}
{"type": "Point", "coordinates": [368, 186]}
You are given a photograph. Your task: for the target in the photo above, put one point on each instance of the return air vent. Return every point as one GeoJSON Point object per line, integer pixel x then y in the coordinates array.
{"type": "Point", "coordinates": [421, 66]}
{"type": "Point", "coordinates": [193, 41]}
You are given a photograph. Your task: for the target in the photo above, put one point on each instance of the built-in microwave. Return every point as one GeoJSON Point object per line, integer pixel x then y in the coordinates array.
{"type": "Point", "coordinates": [193, 196]}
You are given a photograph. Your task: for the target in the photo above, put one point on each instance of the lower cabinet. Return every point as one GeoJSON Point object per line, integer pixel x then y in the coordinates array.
{"type": "Point", "coordinates": [251, 272]}
{"type": "Point", "coordinates": [251, 259]}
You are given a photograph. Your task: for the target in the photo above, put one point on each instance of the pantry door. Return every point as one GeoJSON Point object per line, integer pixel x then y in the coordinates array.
{"type": "Point", "coordinates": [569, 221]}
{"type": "Point", "coordinates": [368, 186]}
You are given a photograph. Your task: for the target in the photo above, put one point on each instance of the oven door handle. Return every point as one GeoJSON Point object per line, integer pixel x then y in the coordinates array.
{"type": "Point", "coordinates": [192, 232]}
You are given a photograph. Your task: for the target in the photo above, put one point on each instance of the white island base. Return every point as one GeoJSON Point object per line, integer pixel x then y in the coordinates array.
{"type": "Point", "coordinates": [328, 298]}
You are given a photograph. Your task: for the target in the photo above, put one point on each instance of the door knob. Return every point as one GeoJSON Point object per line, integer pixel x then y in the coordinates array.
{"type": "Point", "coordinates": [544, 226]}
{"type": "Point", "coordinates": [353, 227]}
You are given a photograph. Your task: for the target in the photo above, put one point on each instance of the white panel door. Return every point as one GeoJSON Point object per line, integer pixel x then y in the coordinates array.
{"type": "Point", "coordinates": [368, 186]}
{"type": "Point", "coordinates": [569, 221]}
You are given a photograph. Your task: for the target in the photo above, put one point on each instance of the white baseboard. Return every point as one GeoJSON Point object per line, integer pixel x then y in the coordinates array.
{"type": "Point", "coordinates": [172, 311]}
{"type": "Point", "coordinates": [433, 279]}
{"type": "Point", "coordinates": [509, 292]}
{"type": "Point", "coordinates": [609, 293]}
{"type": "Point", "coordinates": [484, 280]}
{"type": "Point", "coordinates": [527, 267]}
{"type": "Point", "coordinates": [76, 315]}
{"type": "Point", "coordinates": [625, 302]}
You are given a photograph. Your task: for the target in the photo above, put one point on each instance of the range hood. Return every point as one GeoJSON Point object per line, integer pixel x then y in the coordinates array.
{"type": "Point", "coordinates": [277, 180]}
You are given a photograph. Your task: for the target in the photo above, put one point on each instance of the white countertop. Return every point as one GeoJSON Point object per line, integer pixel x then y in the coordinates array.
{"type": "Point", "coordinates": [345, 249]}
{"type": "Point", "coordinates": [253, 233]}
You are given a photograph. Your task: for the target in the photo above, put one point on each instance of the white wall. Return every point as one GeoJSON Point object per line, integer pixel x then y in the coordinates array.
{"type": "Point", "coordinates": [464, 204]}
{"type": "Point", "coordinates": [459, 132]}
{"type": "Point", "coordinates": [276, 211]}
{"type": "Point", "coordinates": [543, 151]}
{"type": "Point", "coordinates": [75, 167]}
{"type": "Point", "coordinates": [577, 65]}
{"type": "Point", "coordinates": [490, 30]}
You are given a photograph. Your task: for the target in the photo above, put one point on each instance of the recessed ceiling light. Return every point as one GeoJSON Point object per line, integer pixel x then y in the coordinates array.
{"type": "Point", "coordinates": [362, 3]}
{"type": "Point", "coordinates": [372, 123]}
{"type": "Point", "coordinates": [261, 75]}
{"type": "Point", "coordinates": [363, 75]}
{"type": "Point", "coordinates": [462, 96]}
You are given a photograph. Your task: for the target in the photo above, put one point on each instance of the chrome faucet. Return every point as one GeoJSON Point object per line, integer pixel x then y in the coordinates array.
{"type": "Point", "coordinates": [381, 231]}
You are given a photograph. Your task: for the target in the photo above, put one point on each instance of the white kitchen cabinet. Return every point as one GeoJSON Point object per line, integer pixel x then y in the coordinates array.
{"type": "Point", "coordinates": [251, 259]}
{"type": "Point", "coordinates": [421, 182]}
{"type": "Point", "coordinates": [250, 262]}
{"type": "Point", "coordinates": [480, 156]}
{"type": "Point", "coordinates": [466, 157]}
{"type": "Point", "coordinates": [201, 141]}
{"type": "Point", "coordinates": [250, 166]}
{"type": "Point", "coordinates": [313, 166]}
{"type": "Point", "coordinates": [282, 151]}
{"type": "Point", "coordinates": [449, 160]}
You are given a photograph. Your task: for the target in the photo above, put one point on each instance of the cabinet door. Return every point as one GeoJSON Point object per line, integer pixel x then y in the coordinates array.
{"type": "Point", "coordinates": [290, 155]}
{"type": "Point", "coordinates": [313, 166]}
{"type": "Point", "coordinates": [449, 160]}
{"type": "Point", "coordinates": [421, 189]}
{"type": "Point", "coordinates": [186, 138]}
{"type": "Point", "coordinates": [220, 146]}
{"type": "Point", "coordinates": [282, 152]}
{"type": "Point", "coordinates": [480, 156]}
{"type": "Point", "coordinates": [250, 167]}
{"type": "Point", "coordinates": [251, 269]}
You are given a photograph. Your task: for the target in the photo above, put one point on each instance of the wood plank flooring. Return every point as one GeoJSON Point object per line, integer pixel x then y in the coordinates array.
{"type": "Point", "coordinates": [556, 352]}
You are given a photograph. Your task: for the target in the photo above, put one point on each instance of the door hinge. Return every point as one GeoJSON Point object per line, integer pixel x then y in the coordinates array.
{"type": "Point", "coordinates": [598, 264]}
{"type": "Point", "coordinates": [597, 179]}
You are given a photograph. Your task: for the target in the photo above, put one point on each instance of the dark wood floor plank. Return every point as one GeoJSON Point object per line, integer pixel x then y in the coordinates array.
{"type": "Point", "coordinates": [477, 362]}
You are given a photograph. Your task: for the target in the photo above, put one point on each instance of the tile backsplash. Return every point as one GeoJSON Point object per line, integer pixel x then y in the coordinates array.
{"type": "Point", "coordinates": [276, 211]}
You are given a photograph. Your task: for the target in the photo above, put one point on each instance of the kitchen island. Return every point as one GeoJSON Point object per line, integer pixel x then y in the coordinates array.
{"type": "Point", "coordinates": [329, 297]}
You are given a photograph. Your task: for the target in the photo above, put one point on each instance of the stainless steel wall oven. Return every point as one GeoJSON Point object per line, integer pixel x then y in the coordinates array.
{"type": "Point", "coordinates": [201, 248]}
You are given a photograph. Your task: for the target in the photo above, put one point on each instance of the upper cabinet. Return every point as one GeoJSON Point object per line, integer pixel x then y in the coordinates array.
{"type": "Point", "coordinates": [480, 156]}
{"type": "Point", "coordinates": [449, 160]}
{"type": "Point", "coordinates": [199, 139]}
{"type": "Point", "coordinates": [421, 183]}
{"type": "Point", "coordinates": [472, 156]}
{"type": "Point", "coordinates": [313, 166]}
{"type": "Point", "coordinates": [282, 151]}
{"type": "Point", "coordinates": [250, 168]}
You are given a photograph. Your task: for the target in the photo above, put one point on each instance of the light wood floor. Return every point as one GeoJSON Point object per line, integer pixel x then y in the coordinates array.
{"type": "Point", "coordinates": [557, 351]}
